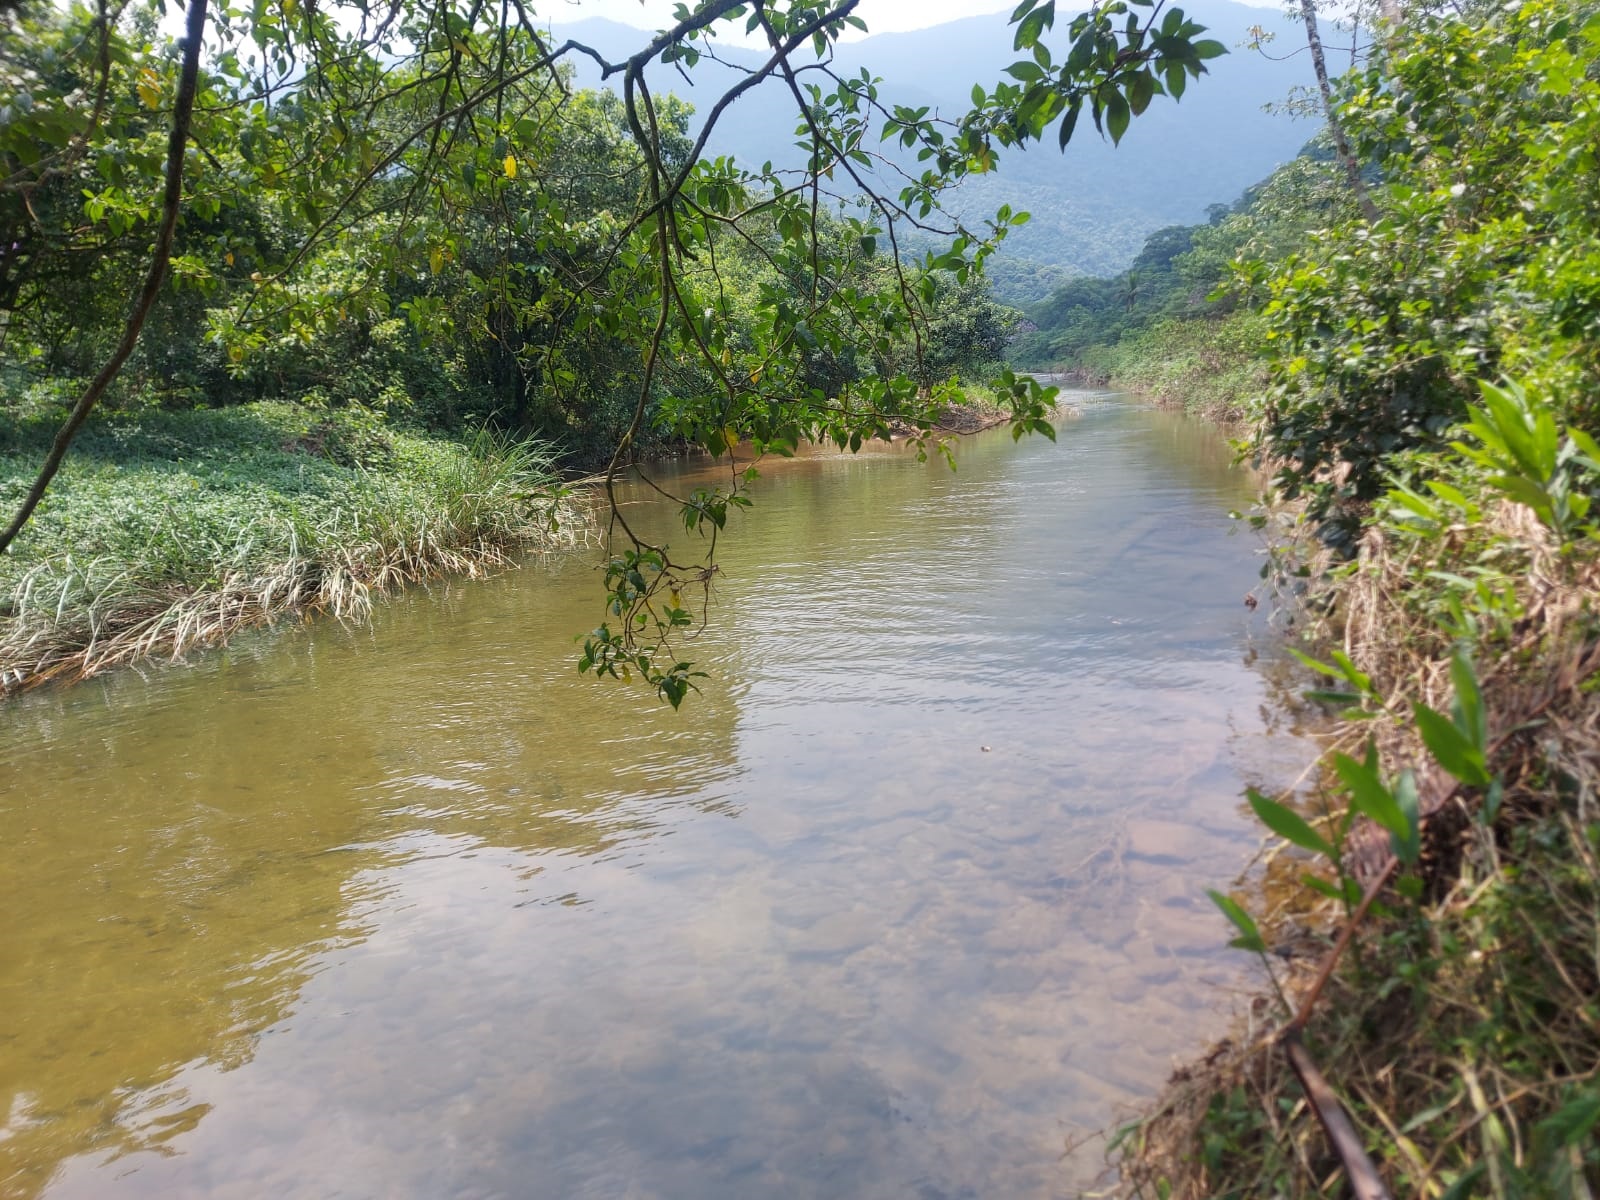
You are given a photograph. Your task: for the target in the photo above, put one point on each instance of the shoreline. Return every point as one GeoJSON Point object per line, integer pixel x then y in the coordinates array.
{"type": "Point", "coordinates": [1374, 1000]}
{"type": "Point", "coordinates": [99, 601]}
{"type": "Point", "coordinates": [174, 532]}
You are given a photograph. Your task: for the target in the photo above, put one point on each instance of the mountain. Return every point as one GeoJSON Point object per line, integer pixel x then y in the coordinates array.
{"type": "Point", "coordinates": [1094, 205]}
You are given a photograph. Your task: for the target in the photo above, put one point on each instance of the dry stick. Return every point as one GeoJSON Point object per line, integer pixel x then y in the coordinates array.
{"type": "Point", "coordinates": [1365, 1183]}
{"type": "Point", "coordinates": [182, 110]}
{"type": "Point", "coordinates": [1358, 1167]}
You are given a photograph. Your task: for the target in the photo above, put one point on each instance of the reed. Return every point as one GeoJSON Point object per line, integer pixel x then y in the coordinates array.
{"type": "Point", "coordinates": [175, 534]}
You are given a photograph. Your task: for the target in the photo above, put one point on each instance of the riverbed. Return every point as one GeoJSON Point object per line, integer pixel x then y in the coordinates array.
{"type": "Point", "coordinates": [907, 899]}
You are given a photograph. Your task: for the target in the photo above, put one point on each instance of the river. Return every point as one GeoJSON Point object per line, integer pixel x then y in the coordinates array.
{"type": "Point", "coordinates": [909, 896]}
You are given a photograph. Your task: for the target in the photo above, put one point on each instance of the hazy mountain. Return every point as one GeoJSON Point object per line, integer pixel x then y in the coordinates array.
{"type": "Point", "coordinates": [1092, 206]}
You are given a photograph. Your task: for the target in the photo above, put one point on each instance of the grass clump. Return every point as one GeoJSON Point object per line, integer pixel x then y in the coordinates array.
{"type": "Point", "coordinates": [171, 530]}
{"type": "Point", "coordinates": [1460, 1025]}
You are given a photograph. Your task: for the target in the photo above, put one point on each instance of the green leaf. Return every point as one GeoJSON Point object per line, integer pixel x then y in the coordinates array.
{"type": "Point", "coordinates": [1141, 89]}
{"type": "Point", "coordinates": [1323, 887]}
{"type": "Point", "coordinates": [1368, 795]}
{"type": "Point", "coordinates": [1471, 718]}
{"type": "Point", "coordinates": [1290, 826]}
{"type": "Point", "coordinates": [1069, 123]}
{"type": "Point", "coordinates": [1407, 843]}
{"type": "Point", "coordinates": [1249, 935]}
{"type": "Point", "coordinates": [1462, 1187]}
{"type": "Point", "coordinates": [1117, 117]}
{"type": "Point", "coordinates": [1450, 747]}
{"type": "Point", "coordinates": [1573, 1122]}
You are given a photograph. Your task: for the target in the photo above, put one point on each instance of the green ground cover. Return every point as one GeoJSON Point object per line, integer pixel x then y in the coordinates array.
{"type": "Point", "coordinates": [169, 530]}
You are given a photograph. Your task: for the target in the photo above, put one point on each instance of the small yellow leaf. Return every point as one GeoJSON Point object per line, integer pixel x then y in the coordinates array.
{"type": "Point", "coordinates": [511, 166]}
{"type": "Point", "coordinates": [436, 260]}
{"type": "Point", "coordinates": [228, 258]}
{"type": "Point", "coordinates": [149, 88]}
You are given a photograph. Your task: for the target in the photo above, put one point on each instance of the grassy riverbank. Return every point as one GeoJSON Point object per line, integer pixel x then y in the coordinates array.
{"type": "Point", "coordinates": [167, 531]}
{"type": "Point", "coordinates": [1207, 368]}
{"type": "Point", "coordinates": [1460, 1027]}
{"type": "Point", "coordinates": [1429, 409]}
{"type": "Point", "coordinates": [1458, 1023]}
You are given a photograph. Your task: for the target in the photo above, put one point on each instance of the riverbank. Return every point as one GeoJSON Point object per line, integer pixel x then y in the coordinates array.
{"type": "Point", "coordinates": [170, 531]}
{"type": "Point", "coordinates": [1205, 367]}
{"type": "Point", "coordinates": [1427, 929]}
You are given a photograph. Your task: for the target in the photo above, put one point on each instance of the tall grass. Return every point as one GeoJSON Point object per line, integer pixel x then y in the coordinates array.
{"type": "Point", "coordinates": [173, 531]}
{"type": "Point", "coordinates": [1460, 1029]}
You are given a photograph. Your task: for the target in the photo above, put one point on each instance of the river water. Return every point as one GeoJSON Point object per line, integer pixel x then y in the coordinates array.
{"type": "Point", "coordinates": [908, 897]}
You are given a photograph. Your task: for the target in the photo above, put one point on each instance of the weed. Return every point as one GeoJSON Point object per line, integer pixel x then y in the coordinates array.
{"type": "Point", "coordinates": [173, 530]}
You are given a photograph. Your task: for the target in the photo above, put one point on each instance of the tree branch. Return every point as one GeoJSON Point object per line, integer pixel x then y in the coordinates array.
{"type": "Point", "coordinates": [172, 200]}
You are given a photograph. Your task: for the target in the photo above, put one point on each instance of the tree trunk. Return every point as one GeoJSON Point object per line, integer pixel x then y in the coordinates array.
{"type": "Point", "coordinates": [1352, 169]}
{"type": "Point", "coordinates": [172, 202]}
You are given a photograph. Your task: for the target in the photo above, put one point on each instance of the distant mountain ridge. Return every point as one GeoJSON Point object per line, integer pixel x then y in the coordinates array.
{"type": "Point", "coordinates": [1092, 206]}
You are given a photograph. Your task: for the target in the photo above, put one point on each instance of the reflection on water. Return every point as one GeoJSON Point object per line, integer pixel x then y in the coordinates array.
{"type": "Point", "coordinates": [911, 894]}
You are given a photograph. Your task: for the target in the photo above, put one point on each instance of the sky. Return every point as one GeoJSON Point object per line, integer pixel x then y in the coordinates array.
{"type": "Point", "coordinates": [881, 16]}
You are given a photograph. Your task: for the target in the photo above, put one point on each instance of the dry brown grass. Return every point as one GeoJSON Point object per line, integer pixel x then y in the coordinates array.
{"type": "Point", "coordinates": [1463, 1030]}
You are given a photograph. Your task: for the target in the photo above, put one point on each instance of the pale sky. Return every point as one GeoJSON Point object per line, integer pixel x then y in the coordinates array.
{"type": "Point", "coordinates": [881, 16]}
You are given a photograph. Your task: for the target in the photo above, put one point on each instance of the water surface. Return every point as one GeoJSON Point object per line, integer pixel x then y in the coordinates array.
{"type": "Point", "coordinates": [910, 896]}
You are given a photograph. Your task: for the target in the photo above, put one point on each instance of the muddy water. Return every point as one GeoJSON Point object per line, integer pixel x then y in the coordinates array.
{"type": "Point", "coordinates": [910, 896]}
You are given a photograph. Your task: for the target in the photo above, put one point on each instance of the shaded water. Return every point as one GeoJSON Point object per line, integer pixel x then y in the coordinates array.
{"type": "Point", "coordinates": [415, 911]}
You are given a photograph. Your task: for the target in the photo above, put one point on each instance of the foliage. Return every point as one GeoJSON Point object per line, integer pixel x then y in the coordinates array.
{"type": "Point", "coordinates": [1459, 1031]}
{"type": "Point", "coordinates": [1431, 400]}
{"type": "Point", "coordinates": [1483, 263]}
{"type": "Point", "coordinates": [559, 263]}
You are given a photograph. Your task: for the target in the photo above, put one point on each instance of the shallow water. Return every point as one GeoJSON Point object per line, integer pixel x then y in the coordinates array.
{"type": "Point", "coordinates": [912, 894]}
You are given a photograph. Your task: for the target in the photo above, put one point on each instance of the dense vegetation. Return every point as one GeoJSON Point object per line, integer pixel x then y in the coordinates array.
{"type": "Point", "coordinates": [279, 290]}
{"type": "Point", "coordinates": [415, 220]}
{"type": "Point", "coordinates": [1419, 365]}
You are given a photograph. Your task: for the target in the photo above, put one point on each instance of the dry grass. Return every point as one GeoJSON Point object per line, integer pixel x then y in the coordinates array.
{"type": "Point", "coordinates": [1462, 1032]}
{"type": "Point", "coordinates": [230, 565]}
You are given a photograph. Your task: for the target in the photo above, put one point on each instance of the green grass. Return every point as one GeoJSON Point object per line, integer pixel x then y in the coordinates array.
{"type": "Point", "coordinates": [1460, 1029]}
{"type": "Point", "coordinates": [168, 530]}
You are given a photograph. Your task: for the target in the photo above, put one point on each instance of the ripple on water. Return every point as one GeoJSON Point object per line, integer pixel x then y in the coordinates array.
{"type": "Point", "coordinates": [910, 893]}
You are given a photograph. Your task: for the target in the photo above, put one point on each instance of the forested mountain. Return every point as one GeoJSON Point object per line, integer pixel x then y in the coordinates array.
{"type": "Point", "coordinates": [1092, 207]}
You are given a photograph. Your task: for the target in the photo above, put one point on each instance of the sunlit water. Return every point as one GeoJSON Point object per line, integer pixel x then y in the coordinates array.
{"type": "Point", "coordinates": [910, 896]}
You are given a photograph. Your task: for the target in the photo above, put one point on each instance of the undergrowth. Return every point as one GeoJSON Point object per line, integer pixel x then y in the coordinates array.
{"type": "Point", "coordinates": [1460, 1026]}
{"type": "Point", "coordinates": [169, 531]}
{"type": "Point", "coordinates": [1206, 367]}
